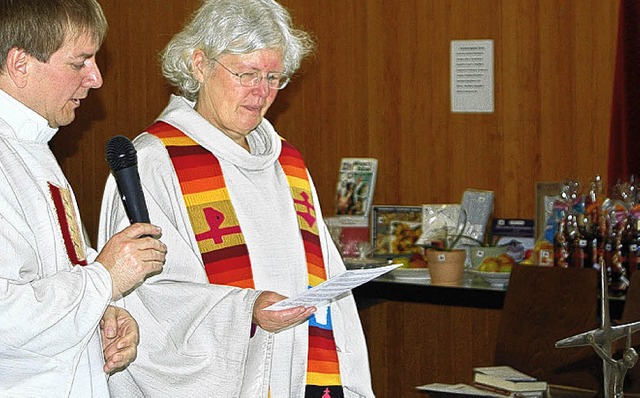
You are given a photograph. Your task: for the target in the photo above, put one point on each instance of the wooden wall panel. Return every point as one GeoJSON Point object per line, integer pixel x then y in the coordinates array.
{"type": "Point", "coordinates": [430, 344]}
{"type": "Point", "coordinates": [553, 71]}
{"type": "Point", "coordinates": [378, 86]}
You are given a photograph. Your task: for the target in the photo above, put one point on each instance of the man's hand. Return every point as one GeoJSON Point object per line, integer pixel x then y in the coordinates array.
{"type": "Point", "coordinates": [120, 337]}
{"type": "Point", "coordinates": [274, 321]}
{"type": "Point", "coordinates": [132, 255]}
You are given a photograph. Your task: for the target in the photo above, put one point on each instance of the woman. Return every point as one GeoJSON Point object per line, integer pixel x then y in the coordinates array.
{"type": "Point", "coordinates": [237, 208]}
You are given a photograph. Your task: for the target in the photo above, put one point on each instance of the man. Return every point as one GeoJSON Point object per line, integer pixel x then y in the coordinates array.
{"type": "Point", "coordinates": [54, 289]}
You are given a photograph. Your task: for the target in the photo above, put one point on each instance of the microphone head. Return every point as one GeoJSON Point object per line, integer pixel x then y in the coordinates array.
{"type": "Point", "coordinates": [121, 153]}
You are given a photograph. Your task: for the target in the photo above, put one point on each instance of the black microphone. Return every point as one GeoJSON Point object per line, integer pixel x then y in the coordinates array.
{"type": "Point", "coordinates": [123, 161]}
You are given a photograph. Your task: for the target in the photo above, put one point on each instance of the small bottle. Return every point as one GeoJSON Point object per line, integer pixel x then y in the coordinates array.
{"type": "Point", "coordinates": [625, 235]}
{"type": "Point", "coordinates": [579, 252]}
{"type": "Point", "coordinates": [586, 246]}
{"type": "Point", "coordinates": [602, 232]}
{"type": "Point", "coordinates": [609, 249]}
{"type": "Point", "coordinates": [633, 241]}
{"type": "Point", "coordinates": [560, 245]}
{"type": "Point", "coordinates": [575, 256]}
{"type": "Point", "coordinates": [618, 282]}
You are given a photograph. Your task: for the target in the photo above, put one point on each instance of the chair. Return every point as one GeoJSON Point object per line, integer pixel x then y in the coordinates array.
{"type": "Point", "coordinates": [543, 305]}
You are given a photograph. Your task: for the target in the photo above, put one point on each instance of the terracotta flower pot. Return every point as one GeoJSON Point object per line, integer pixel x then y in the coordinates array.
{"type": "Point", "coordinates": [446, 267]}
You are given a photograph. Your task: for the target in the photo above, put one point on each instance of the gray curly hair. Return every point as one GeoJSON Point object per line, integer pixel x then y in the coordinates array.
{"type": "Point", "coordinates": [232, 27]}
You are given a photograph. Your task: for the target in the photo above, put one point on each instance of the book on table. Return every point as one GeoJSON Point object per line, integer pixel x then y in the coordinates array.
{"type": "Point", "coordinates": [502, 393]}
{"type": "Point", "coordinates": [508, 379]}
{"type": "Point", "coordinates": [465, 390]}
{"type": "Point", "coordinates": [448, 390]}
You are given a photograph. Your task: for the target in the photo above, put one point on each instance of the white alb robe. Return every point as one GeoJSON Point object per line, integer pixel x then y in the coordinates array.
{"type": "Point", "coordinates": [195, 335]}
{"type": "Point", "coordinates": [49, 309]}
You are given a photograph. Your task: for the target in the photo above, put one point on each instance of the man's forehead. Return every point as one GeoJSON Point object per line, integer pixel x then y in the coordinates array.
{"type": "Point", "coordinates": [78, 46]}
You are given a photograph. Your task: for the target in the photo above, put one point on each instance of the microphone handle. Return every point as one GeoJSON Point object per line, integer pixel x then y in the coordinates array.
{"type": "Point", "coordinates": [128, 181]}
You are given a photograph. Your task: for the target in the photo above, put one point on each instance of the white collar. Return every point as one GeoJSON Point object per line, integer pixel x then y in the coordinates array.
{"type": "Point", "coordinates": [26, 124]}
{"type": "Point", "coordinates": [264, 141]}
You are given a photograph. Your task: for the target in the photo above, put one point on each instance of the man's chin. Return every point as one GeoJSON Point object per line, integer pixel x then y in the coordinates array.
{"type": "Point", "coordinates": [64, 121]}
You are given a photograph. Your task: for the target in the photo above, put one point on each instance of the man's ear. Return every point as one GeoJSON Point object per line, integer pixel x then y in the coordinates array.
{"type": "Point", "coordinates": [199, 62]}
{"type": "Point", "coordinates": [17, 66]}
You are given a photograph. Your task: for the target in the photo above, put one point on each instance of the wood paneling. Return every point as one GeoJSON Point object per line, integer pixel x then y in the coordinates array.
{"type": "Point", "coordinates": [411, 344]}
{"type": "Point", "coordinates": [380, 81]}
{"type": "Point", "coordinates": [378, 86]}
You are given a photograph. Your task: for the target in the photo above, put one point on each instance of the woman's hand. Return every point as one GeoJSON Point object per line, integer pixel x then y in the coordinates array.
{"type": "Point", "coordinates": [274, 321]}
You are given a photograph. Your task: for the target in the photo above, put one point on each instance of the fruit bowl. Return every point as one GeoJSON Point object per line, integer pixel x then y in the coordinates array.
{"type": "Point", "coordinates": [502, 263]}
{"type": "Point", "coordinates": [493, 278]}
{"type": "Point", "coordinates": [404, 273]}
{"type": "Point", "coordinates": [363, 263]}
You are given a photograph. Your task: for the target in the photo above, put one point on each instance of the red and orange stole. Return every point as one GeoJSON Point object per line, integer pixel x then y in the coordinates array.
{"type": "Point", "coordinates": [224, 251]}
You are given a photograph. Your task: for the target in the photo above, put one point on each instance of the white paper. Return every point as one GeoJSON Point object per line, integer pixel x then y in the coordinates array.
{"type": "Point", "coordinates": [472, 76]}
{"type": "Point", "coordinates": [332, 288]}
{"type": "Point", "coordinates": [457, 389]}
{"type": "Point", "coordinates": [506, 373]}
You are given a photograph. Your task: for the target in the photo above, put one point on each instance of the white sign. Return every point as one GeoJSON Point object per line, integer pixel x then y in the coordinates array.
{"type": "Point", "coordinates": [472, 76]}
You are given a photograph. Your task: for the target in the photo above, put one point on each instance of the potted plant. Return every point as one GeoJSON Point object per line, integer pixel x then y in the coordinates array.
{"type": "Point", "coordinates": [446, 261]}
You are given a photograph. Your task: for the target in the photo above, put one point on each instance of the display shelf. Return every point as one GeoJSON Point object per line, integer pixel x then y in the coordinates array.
{"type": "Point", "coordinates": [471, 292]}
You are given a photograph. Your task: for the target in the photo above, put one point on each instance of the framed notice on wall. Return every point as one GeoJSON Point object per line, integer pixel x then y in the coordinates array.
{"type": "Point", "coordinates": [472, 76]}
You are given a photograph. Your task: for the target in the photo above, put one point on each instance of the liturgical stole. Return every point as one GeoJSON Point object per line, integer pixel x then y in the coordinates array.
{"type": "Point", "coordinates": [224, 251]}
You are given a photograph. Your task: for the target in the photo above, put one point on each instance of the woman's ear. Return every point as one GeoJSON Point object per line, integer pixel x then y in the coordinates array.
{"type": "Point", "coordinates": [199, 61]}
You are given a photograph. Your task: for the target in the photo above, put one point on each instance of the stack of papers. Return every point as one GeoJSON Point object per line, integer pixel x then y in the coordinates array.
{"type": "Point", "coordinates": [507, 380]}
{"type": "Point", "coordinates": [492, 381]}
{"type": "Point", "coordinates": [436, 389]}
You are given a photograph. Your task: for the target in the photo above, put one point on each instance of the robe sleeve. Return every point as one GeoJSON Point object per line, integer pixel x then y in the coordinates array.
{"type": "Point", "coordinates": [188, 326]}
{"type": "Point", "coordinates": [49, 309]}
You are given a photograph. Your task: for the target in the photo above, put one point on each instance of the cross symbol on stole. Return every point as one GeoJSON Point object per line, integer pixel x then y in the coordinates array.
{"type": "Point", "coordinates": [215, 219]}
{"type": "Point", "coordinates": [307, 216]}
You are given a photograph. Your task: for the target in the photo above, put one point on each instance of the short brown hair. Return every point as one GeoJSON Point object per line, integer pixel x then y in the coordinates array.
{"type": "Point", "coordinates": [40, 27]}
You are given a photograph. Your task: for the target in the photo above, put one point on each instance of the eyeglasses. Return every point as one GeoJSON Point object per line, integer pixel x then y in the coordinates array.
{"type": "Point", "coordinates": [275, 80]}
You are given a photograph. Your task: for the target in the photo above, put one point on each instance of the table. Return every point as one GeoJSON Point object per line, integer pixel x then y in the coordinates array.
{"type": "Point", "coordinates": [418, 333]}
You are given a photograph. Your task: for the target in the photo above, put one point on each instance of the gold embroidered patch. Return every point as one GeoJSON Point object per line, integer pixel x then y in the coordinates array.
{"type": "Point", "coordinates": [69, 225]}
